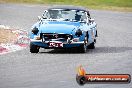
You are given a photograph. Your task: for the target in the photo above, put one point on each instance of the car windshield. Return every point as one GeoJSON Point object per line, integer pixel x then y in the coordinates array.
{"type": "Point", "coordinates": [67, 15]}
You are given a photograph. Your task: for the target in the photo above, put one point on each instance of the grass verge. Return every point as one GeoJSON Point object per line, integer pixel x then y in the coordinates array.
{"type": "Point", "coordinates": [7, 36]}
{"type": "Point", "coordinates": [118, 5]}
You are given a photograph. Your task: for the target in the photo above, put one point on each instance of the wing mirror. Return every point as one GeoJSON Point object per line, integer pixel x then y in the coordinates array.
{"type": "Point", "coordinates": [39, 18]}
{"type": "Point", "coordinates": [91, 20]}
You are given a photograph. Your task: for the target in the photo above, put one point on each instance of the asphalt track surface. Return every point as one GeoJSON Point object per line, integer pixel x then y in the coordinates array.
{"type": "Point", "coordinates": [57, 68]}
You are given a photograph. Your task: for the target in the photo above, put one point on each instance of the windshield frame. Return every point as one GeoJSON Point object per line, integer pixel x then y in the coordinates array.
{"type": "Point", "coordinates": [46, 12]}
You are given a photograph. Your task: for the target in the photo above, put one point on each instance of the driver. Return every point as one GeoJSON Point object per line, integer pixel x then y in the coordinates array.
{"type": "Point", "coordinates": [77, 16]}
{"type": "Point", "coordinates": [54, 14]}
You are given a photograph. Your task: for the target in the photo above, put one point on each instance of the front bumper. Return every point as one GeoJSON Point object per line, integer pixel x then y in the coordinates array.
{"type": "Point", "coordinates": [65, 44]}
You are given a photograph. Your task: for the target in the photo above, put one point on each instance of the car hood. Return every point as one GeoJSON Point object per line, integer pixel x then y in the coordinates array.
{"type": "Point", "coordinates": [59, 27]}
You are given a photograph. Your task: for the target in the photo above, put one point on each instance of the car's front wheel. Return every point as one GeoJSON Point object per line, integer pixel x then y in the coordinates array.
{"type": "Point", "coordinates": [34, 48]}
{"type": "Point", "coordinates": [83, 48]}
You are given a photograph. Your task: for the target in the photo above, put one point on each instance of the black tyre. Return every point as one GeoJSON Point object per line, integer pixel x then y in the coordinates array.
{"type": "Point", "coordinates": [91, 46]}
{"type": "Point", "coordinates": [96, 34]}
{"type": "Point", "coordinates": [34, 48]}
{"type": "Point", "coordinates": [83, 48]}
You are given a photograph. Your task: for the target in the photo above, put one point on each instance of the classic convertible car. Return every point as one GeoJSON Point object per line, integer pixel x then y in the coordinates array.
{"type": "Point", "coordinates": [64, 27]}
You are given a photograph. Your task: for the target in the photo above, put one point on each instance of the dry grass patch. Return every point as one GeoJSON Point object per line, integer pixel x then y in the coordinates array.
{"type": "Point", "coordinates": [7, 36]}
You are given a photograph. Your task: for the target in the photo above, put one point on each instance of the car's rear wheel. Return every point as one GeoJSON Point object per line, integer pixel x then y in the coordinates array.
{"type": "Point", "coordinates": [96, 34]}
{"type": "Point", "coordinates": [91, 46]}
{"type": "Point", "coordinates": [34, 48]}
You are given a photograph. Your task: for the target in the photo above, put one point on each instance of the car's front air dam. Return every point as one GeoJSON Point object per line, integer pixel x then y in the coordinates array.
{"type": "Point", "coordinates": [65, 45]}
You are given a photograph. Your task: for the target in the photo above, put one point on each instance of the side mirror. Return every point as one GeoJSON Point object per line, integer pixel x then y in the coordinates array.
{"type": "Point", "coordinates": [39, 18]}
{"type": "Point", "coordinates": [91, 20]}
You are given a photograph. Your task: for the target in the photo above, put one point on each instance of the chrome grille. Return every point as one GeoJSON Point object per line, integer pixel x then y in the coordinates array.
{"type": "Point", "coordinates": [48, 36]}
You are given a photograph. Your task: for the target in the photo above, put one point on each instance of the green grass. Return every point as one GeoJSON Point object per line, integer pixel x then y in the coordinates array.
{"type": "Point", "coordinates": [120, 5]}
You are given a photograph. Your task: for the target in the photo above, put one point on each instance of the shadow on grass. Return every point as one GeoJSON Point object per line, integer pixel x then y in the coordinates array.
{"type": "Point", "coordinates": [89, 51]}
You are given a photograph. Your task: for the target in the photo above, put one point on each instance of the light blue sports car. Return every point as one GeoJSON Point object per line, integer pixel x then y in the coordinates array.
{"type": "Point", "coordinates": [64, 27]}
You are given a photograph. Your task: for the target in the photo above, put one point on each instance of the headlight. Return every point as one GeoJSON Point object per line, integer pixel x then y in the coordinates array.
{"type": "Point", "coordinates": [78, 32]}
{"type": "Point", "coordinates": [35, 30]}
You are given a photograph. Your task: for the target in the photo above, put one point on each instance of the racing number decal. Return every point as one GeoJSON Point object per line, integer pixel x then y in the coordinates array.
{"type": "Point", "coordinates": [54, 44]}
